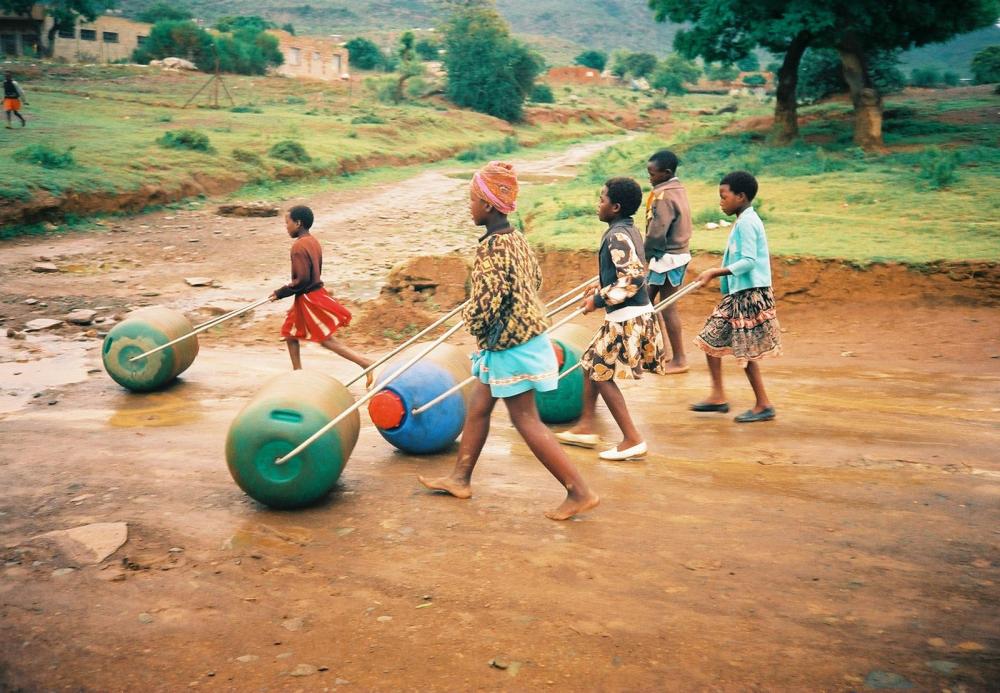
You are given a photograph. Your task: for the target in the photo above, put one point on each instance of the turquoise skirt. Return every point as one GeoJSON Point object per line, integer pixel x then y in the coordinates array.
{"type": "Point", "coordinates": [509, 372]}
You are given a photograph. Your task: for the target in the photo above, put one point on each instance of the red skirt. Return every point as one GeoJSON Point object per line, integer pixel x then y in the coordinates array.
{"type": "Point", "coordinates": [314, 317]}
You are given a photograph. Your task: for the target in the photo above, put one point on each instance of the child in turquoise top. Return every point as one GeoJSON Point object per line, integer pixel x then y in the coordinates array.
{"type": "Point", "coordinates": [744, 323]}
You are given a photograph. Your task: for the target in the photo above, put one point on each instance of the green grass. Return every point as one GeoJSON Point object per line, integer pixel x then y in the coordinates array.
{"type": "Point", "coordinates": [932, 197]}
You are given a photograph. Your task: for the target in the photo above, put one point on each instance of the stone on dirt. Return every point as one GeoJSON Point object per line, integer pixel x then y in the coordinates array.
{"type": "Point", "coordinates": [44, 267]}
{"type": "Point", "coordinates": [81, 316]}
{"type": "Point", "coordinates": [41, 324]}
{"type": "Point", "coordinates": [248, 209]}
{"type": "Point", "coordinates": [303, 670]}
{"type": "Point", "coordinates": [91, 543]}
{"type": "Point", "coordinates": [198, 281]}
{"type": "Point", "coordinates": [886, 680]}
{"type": "Point", "coordinates": [443, 277]}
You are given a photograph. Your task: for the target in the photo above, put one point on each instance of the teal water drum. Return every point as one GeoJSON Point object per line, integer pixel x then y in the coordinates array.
{"type": "Point", "coordinates": [565, 403]}
{"type": "Point", "coordinates": [142, 330]}
{"type": "Point", "coordinates": [288, 409]}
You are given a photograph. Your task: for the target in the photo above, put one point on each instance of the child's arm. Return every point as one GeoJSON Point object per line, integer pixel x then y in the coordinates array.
{"type": "Point", "coordinates": [490, 284]}
{"type": "Point", "coordinates": [746, 245]}
{"type": "Point", "coordinates": [664, 214]}
{"type": "Point", "coordinates": [631, 272]}
{"type": "Point", "coordinates": [301, 274]}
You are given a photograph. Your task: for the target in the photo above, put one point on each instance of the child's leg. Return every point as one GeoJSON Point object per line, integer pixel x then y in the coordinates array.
{"type": "Point", "coordinates": [341, 349]}
{"type": "Point", "coordinates": [717, 395]}
{"type": "Point", "coordinates": [477, 427]}
{"type": "Point", "coordinates": [20, 117]}
{"type": "Point", "coordinates": [293, 353]}
{"type": "Point", "coordinates": [757, 383]}
{"type": "Point", "coordinates": [7, 113]}
{"type": "Point", "coordinates": [613, 397]}
{"type": "Point", "coordinates": [524, 416]}
{"type": "Point", "coordinates": [670, 320]}
{"type": "Point", "coordinates": [585, 424]}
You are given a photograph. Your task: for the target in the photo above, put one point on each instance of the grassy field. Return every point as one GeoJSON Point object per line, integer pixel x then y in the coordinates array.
{"type": "Point", "coordinates": [931, 197]}
{"type": "Point", "coordinates": [120, 129]}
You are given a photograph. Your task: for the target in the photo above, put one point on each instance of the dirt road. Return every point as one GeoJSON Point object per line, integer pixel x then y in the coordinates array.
{"type": "Point", "coordinates": [852, 544]}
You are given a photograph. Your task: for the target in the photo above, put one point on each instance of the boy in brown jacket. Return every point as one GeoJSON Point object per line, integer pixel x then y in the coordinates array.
{"type": "Point", "coordinates": [668, 232]}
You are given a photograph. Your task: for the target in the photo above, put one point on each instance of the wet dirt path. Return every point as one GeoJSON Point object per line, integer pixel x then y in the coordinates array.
{"type": "Point", "coordinates": [851, 544]}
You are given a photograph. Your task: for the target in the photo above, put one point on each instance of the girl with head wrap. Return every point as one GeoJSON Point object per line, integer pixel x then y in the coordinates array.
{"type": "Point", "coordinates": [515, 356]}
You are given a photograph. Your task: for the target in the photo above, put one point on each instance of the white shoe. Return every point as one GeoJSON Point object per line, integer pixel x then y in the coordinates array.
{"type": "Point", "coordinates": [583, 440]}
{"type": "Point", "coordinates": [631, 453]}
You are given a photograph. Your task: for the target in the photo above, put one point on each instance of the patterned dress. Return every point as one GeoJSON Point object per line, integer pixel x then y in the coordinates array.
{"type": "Point", "coordinates": [623, 348]}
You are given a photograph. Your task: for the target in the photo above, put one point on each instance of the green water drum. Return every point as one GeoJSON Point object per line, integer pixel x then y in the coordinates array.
{"type": "Point", "coordinates": [142, 330]}
{"type": "Point", "coordinates": [288, 409]}
{"type": "Point", "coordinates": [565, 403]}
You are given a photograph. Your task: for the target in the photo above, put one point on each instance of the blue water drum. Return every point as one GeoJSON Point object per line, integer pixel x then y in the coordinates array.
{"type": "Point", "coordinates": [288, 409]}
{"type": "Point", "coordinates": [142, 330]}
{"type": "Point", "coordinates": [565, 403]}
{"type": "Point", "coordinates": [435, 429]}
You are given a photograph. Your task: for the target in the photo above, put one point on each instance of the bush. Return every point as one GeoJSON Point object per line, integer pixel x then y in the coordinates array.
{"type": "Point", "coordinates": [247, 50]}
{"type": "Point", "coordinates": [489, 150]}
{"type": "Point", "coordinates": [428, 48]}
{"type": "Point", "coordinates": [488, 70]}
{"type": "Point", "coordinates": [937, 168]}
{"type": "Point", "coordinates": [673, 73]}
{"type": "Point", "coordinates": [46, 157]}
{"type": "Point", "coordinates": [721, 72]}
{"type": "Point", "coordinates": [364, 54]}
{"type": "Point", "coordinates": [986, 66]}
{"type": "Point", "coordinates": [245, 109]}
{"type": "Point", "coordinates": [748, 63]}
{"type": "Point", "coordinates": [247, 157]}
{"type": "Point", "coordinates": [367, 119]}
{"type": "Point", "coordinates": [186, 139]}
{"type": "Point", "coordinates": [542, 93]}
{"type": "Point", "coordinates": [755, 80]}
{"type": "Point", "coordinates": [633, 64]}
{"type": "Point", "coordinates": [290, 151]}
{"type": "Point", "coordinates": [593, 59]}
{"type": "Point", "coordinates": [925, 77]}
{"type": "Point", "coordinates": [163, 12]}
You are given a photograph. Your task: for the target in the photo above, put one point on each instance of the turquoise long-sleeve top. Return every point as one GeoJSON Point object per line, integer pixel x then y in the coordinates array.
{"type": "Point", "coordinates": [746, 255]}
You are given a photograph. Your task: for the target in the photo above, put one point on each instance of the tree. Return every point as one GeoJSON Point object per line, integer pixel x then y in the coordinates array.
{"type": "Point", "coordinates": [64, 13]}
{"type": "Point", "coordinates": [289, 27]}
{"type": "Point", "coordinates": [748, 63]}
{"type": "Point", "coordinates": [364, 54]}
{"type": "Point", "coordinates": [730, 29]}
{"type": "Point", "coordinates": [246, 50]}
{"type": "Point", "coordinates": [183, 39]}
{"type": "Point", "coordinates": [164, 12]}
{"type": "Point", "coordinates": [488, 70]}
{"type": "Point", "coordinates": [673, 73]}
{"type": "Point", "coordinates": [721, 72]}
{"type": "Point", "coordinates": [986, 66]}
{"type": "Point", "coordinates": [821, 74]}
{"type": "Point", "coordinates": [428, 48]}
{"type": "Point", "coordinates": [409, 65]}
{"type": "Point", "coordinates": [636, 64]}
{"type": "Point", "coordinates": [595, 60]}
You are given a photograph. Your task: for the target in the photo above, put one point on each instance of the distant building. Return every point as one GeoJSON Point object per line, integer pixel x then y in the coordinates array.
{"type": "Point", "coordinates": [314, 57]}
{"type": "Point", "coordinates": [576, 74]}
{"type": "Point", "coordinates": [22, 34]}
{"type": "Point", "coordinates": [104, 40]}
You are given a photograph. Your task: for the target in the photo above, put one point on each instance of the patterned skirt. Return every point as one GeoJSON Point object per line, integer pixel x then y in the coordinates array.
{"type": "Point", "coordinates": [314, 317]}
{"type": "Point", "coordinates": [743, 325]}
{"type": "Point", "coordinates": [624, 349]}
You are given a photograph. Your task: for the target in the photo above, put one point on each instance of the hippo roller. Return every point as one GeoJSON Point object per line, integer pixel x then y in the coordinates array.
{"type": "Point", "coordinates": [142, 330]}
{"type": "Point", "coordinates": [566, 402]}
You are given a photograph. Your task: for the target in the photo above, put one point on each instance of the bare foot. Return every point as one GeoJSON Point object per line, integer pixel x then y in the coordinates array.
{"type": "Point", "coordinates": [459, 489]}
{"type": "Point", "coordinates": [369, 379]}
{"type": "Point", "coordinates": [573, 506]}
{"type": "Point", "coordinates": [671, 368]}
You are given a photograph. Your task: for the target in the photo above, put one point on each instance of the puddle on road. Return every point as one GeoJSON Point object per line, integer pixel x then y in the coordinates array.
{"type": "Point", "coordinates": [60, 362]}
{"type": "Point", "coordinates": [157, 409]}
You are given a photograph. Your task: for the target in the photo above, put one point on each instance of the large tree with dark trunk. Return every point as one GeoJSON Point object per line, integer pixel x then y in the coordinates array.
{"type": "Point", "coordinates": [727, 29]}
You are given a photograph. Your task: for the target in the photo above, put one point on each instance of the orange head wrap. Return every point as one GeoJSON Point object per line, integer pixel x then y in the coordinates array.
{"type": "Point", "coordinates": [496, 184]}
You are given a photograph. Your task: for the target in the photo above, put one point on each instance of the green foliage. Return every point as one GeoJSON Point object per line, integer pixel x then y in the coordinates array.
{"type": "Point", "coordinates": [488, 70]}
{"type": "Point", "coordinates": [937, 168]}
{"type": "Point", "coordinates": [986, 66]}
{"type": "Point", "coordinates": [290, 151]}
{"type": "Point", "coordinates": [164, 12]}
{"type": "Point", "coordinates": [489, 150]}
{"type": "Point", "coordinates": [428, 48]}
{"type": "Point", "coordinates": [821, 73]}
{"type": "Point", "coordinates": [592, 59]}
{"type": "Point", "coordinates": [186, 139]}
{"type": "Point", "coordinates": [542, 93]}
{"type": "Point", "coordinates": [572, 211]}
{"type": "Point", "coordinates": [748, 63]}
{"type": "Point", "coordinates": [252, 24]}
{"type": "Point", "coordinates": [925, 77]}
{"type": "Point", "coordinates": [367, 119]}
{"type": "Point", "coordinates": [245, 109]}
{"type": "Point", "coordinates": [183, 39]}
{"type": "Point", "coordinates": [45, 156]}
{"type": "Point", "coordinates": [721, 72]}
{"type": "Point", "coordinates": [673, 73]}
{"type": "Point", "coordinates": [247, 157]}
{"type": "Point", "coordinates": [289, 27]}
{"type": "Point", "coordinates": [246, 50]}
{"type": "Point", "coordinates": [754, 80]}
{"type": "Point", "coordinates": [364, 54]}
{"type": "Point", "coordinates": [633, 64]}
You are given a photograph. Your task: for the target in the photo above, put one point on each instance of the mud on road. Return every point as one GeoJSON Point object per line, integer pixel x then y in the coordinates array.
{"type": "Point", "coordinates": [850, 544]}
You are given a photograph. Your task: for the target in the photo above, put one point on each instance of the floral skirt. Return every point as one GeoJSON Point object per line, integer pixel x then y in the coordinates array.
{"type": "Point", "coordinates": [624, 349]}
{"type": "Point", "coordinates": [743, 325]}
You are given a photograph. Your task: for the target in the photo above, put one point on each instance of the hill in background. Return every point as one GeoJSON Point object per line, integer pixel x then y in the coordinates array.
{"type": "Point", "coordinates": [559, 29]}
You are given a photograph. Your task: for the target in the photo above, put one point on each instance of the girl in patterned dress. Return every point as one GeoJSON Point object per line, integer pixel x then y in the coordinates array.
{"type": "Point", "coordinates": [515, 357]}
{"type": "Point", "coordinates": [628, 340]}
{"type": "Point", "coordinates": [744, 323]}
